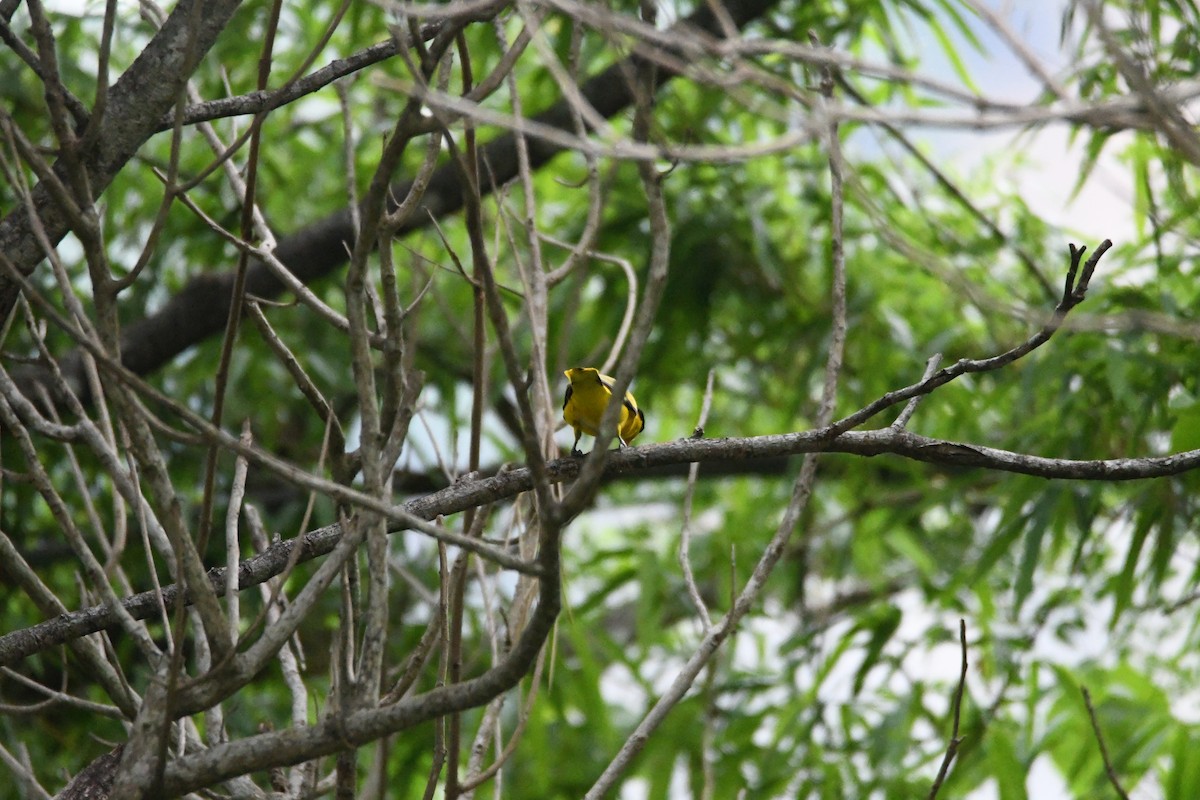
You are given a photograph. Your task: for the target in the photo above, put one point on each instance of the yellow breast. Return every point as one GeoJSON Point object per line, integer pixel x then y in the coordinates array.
{"type": "Point", "coordinates": [587, 397]}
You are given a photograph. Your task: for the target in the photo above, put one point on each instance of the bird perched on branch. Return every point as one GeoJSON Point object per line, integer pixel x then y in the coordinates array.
{"type": "Point", "coordinates": [587, 396]}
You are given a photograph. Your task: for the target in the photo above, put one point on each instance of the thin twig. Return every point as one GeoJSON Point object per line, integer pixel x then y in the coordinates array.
{"type": "Point", "coordinates": [19, 644]}
{"type": "Point", "coordinates": [477, 779]}
{"type": "Point", "coordinates": [1109, 770]}
{"type": "Point", "coordinates": [685, 534]}
{"type": "Point", "coordinates": [641, 86]}
{"type": "Point", "coordinates": [955, 739]}
{"type": "Point", "coordinates": [801, 492]}
{"type": "Point", "coordinates": [930, 366]}
{"type": "Point", "coordinates": [1020, 49]}
{"type": "Point", "coordinates": [54, 698]}
{"type": "Point", "coordinates": [233, 549]}
{"type": "Point", "coordinates": [1166, 115]}
{"type": "Point", "coordinates": [1074, 290]}
{"type": "Point", "coordinates": [24, 776]}
{"type": "Point", "coordinates": [458, 580]}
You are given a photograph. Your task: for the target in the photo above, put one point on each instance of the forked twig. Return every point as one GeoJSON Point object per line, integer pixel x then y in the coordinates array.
{"type": "Point", "coordinates": [1074, 289]}
{"type": "Point", "coordinates": [930, 366]}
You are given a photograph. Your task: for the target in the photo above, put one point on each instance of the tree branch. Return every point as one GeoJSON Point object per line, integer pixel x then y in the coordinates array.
{"type": "Point", "coordinates": [955, 740]}
{"type": "Point", "coordinates": [1109, 770]}
{"type": "Point", "coordinates": [17, 645]}
{"type": "Point", "coordinates": [136, 105]}
{"type": "Point", "coordinates": [199, 310]}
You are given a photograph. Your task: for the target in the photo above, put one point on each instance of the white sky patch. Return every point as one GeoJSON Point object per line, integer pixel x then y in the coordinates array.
{"type": "Point", "coordinates": [1047, 166]}
{"type": "Point", "coordinates": [1046, 163]}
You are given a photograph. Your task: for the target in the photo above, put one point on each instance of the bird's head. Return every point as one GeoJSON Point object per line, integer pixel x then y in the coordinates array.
{"type": "Point", "coordinates": [577, 374]}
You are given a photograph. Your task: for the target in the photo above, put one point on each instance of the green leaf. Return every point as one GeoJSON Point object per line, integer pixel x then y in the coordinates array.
{"type": "Point", "coordinates": [882, 625]}
{"type": "Point", "coordinates": [1004, 764]}
{"type": "Point", "coordinates": [1035, 530]}
{"type": "Point", "coordinates": [1185, 433]}
{"type": "Point", "coordinates": [1180, 777]}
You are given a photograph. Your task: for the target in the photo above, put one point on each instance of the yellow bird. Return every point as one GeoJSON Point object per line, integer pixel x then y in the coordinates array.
{"type": "Point", "coordinates": [587, 396]}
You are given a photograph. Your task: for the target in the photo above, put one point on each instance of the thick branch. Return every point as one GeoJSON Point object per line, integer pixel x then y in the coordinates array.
{"type": "Point", "coordinates": [17, 645]}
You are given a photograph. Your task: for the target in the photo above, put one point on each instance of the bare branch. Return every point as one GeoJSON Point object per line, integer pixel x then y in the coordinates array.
{"type": "Point", "coordinates": [931, 364]}
{"type": "Point", "coordinates": [1109, 770]}
{"type": "Point", "coordinates": [16, 645]}
{"type": "Point", "coordinates": [201, 308]}
{"type": "Point", "coordinates": [685, 533]}
{"type": "Point", "coordinates": [136, 104]}
{"type": "Point", "coordinates": [955, 739]}
{"type": "Point", "coordinates": [716, 635]}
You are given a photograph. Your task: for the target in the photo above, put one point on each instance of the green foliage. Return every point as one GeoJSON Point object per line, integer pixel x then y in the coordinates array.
{"type": "Point", "coordinates": [839, 682]}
